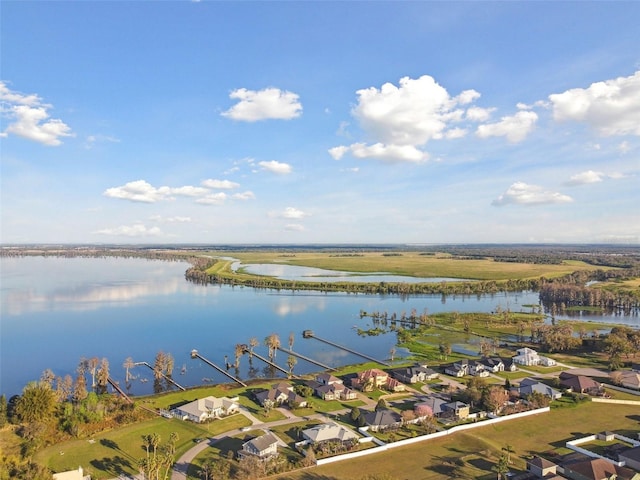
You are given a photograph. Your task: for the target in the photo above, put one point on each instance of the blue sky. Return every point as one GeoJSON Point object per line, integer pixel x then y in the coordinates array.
{"type": "Point", "coordinates": [320, 122]}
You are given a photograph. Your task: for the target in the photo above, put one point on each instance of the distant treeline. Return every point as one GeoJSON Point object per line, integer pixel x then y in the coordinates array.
{"type": "Point", "coordinates": [621, 256]}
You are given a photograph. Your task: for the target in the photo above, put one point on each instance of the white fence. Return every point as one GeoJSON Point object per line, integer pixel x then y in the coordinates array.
{"type": "Point", "coordinates": [422, 438]}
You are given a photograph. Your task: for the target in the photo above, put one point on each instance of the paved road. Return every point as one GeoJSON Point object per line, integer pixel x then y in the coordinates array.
{"type": "Point", "coordinates": [182, 465]}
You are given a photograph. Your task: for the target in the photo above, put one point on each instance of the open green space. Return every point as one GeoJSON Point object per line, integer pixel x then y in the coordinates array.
{"type": "Point", "coordinates": [407, 263]}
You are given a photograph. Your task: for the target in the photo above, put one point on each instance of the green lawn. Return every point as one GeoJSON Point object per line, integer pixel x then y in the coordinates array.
{"type": "Point", "coordinates": [109, 454]}
{"type": "Point", "coordinates": [471, 454]}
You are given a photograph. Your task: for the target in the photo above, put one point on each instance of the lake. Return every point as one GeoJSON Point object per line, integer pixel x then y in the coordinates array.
{"type": "Point", "coordinates": [56, 310]}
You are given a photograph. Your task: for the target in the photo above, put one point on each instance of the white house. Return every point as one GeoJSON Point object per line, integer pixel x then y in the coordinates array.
{"type": "Point", "coordinates": [206, 408]}
{"type": "Point", "coordinates": [263, 447]}
{"type": "Point", "coordinates": [328, 431]}
{"type": "Point", "coordinates": [528, 357]}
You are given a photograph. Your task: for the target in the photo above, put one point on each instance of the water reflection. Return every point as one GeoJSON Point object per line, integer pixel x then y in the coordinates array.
{"type": "Point", "coordinates": [312, 274]}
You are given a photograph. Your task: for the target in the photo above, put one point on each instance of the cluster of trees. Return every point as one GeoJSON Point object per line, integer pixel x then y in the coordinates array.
{"type": "Point", "coordinates": [56, 408]}
{"type": "Point", "coordinates": [621, 342]}
{"type": "Point", "coordinates": [159, 459]}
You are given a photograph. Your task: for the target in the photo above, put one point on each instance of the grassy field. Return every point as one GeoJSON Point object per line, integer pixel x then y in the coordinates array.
{"type": "Point", "coordinates": [470, 455]}
{"type": "Point", "coordinates": [111, 453]}
{"type": "Point", "coordinates": [409, 263]}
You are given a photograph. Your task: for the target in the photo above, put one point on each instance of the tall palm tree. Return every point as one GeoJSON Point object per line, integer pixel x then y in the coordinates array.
{"type": "Point", "coordinates": [253, 343]}
{"type": "Point", "coordinates": [128, 364]}
{"type": "Point", "coordinates": [273, 343]}
{"type": "Point", "coordinates": [291, 339]}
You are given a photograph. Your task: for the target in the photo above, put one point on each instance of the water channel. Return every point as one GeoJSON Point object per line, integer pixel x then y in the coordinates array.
{"type": "Point", "coordinates": [56, 310]}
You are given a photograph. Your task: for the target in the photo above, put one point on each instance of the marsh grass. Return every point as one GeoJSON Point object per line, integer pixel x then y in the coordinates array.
{"type": "Point", "coordinates": [407, 263]}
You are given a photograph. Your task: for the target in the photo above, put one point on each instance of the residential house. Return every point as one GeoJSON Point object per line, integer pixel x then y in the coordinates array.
{"type": "Point", "coordinates": [394, 385]}
{"type": "Point", "coordinates": [263, 447]}
{"type": "Point", "coordinates": [383, 419]}
{"type": "Point", "coordinates": [206, 408]}
{"type": "Point", "coordinates": [631, 457]}
{"type": "Point", "coordinates": [457, 369]}
{"type": "Point", "coordinates": [370, 379]}
{"type": "Point", "coordinates": [580, 383]}
{"type": "Point", "coordinates": [72, 475]}
{"type": "Point", "coordinates": [598, 469]}
{"type": "Point", "coordinates": [414, 374]}
{"type": "Point", "coordinates": [530, 385]}
{"type": "Point", "coordinates": [280, 394]}
{"type": "Point", "coordinates": [541, 467]}
{"type": "Point", "coordinates": [492, 364]}
{"type": "Point", "coordinates": [456, 410]}
{"type": "Point", "coordinates": [330, 431]}
{"type": "Point", "coordinates": [629, 379]}
{"type": "Point", "coordinates": [528, 357]}
{"type": "Point", "coordinates": [329, 387]}
{"type": "Point", "coordinates": [433, 403]}
{"type": "Point", "coordinates": [478, 369]}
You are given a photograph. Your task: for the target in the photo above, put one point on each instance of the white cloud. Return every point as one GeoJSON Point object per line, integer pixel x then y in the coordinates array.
{"type": "Point", "coordinates": [176, 219]}
{"type": "Point", "coordinates": [138, 191]}
{"type": "Point", "coordinates": [270, 103]}
{"type": "Point", "coordinates": [294, 227]}
{"type": "Point", "coordinates": [521, 193]}
{"type": "Point", "coordinates": [338, 152]}
{"type": "Point", "coordinates": [29, 118]}
{"type": "Point", "coordinates": [611, 107]}
{"type": "Point", "coordinates": [401, 119]}
{"type": "Point", "coordinates": [411, 114]}
{"type": "Point", "coordinates": [585, 177]}
{"type": "Point", "coordinates": [291, 212]}
{"type": "Point", "coordinates": [142, 191]}
{"type": "Point", "coordinates": [188, 191]}
{"type": "Point", "coordinates": [220, 184]}
{"type": "Point", "coordinates": [276, 167]}
{"type": "Point", "coordinates": [136, 230]}
{"type": "Point", "coordinates": [479, 114]}
{"type": "Point", "coordinates": [248, 195]}
{"type": "Point", "coordinates": [515, 128]}
{"type": "Point", "coordinates": [213, 199]}
{"type": "Point", "coordinates": [391, 153]}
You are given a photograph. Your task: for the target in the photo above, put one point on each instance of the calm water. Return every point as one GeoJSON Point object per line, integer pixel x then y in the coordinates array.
{"type": "Point", "coordinates": [56, 310]}
{"type": "Point", "coordinates": [312, 274]}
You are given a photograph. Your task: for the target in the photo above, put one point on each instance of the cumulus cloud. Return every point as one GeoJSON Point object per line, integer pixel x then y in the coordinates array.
{"type": "Point", "coordinates": [276, 167]}
{"type": "Point", "coordinates": [402, 119]}
{"type": "Point", "coordinates": [270, 103]}
{"type": "Point", "coordinates": [248, 195]}
{"type": "Point", "coordinates": [585, 177]}
{"type": "Point", "coordinates": [29, 118]}
{"type": "Point", "coordinates": [291, 212]}
{"type": "Point", "coordinates": [136, 230]}
{"type": "Point", "coordinates": [521, 193]}
{"type": "Point", "coordinates": [611, 107]}
{"type": "Point", "coordinates": [213, 199]}
{"type": "Point", "coordinates": [138, 191]}
{"type": "Point", "coordinates": [143, 191]}
{"type": "Point", "coordinates": [515, 128]}
{"type": "Point", "coordinates": [479, 114]}
{"type": "Point", "coordinates": [220, 184]}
